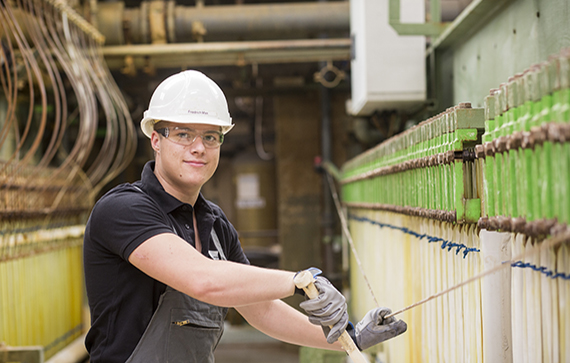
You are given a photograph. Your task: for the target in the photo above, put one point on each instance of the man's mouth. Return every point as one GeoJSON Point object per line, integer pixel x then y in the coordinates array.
{"type": "Point", "coordinates": [195, 163]}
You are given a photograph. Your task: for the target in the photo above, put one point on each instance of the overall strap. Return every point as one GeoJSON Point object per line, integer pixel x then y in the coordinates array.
{"type": "Point", "coordinates": [217, 244]}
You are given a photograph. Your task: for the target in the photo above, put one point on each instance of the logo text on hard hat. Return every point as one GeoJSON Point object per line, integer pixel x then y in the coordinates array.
{"type": "Point", "coordinates": [206, 113]}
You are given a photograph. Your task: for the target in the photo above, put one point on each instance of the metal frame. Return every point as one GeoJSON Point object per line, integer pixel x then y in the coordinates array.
{"type": "Point", "coordinates": [433, 28]}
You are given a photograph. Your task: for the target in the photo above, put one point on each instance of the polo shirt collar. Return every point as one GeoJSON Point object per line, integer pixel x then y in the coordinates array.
{"type": "Point", "coordinates": [152, 186]}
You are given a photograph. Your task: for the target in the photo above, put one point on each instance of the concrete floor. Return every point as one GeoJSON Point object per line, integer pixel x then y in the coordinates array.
{"type": "Point", "coordinates": [244, 344]}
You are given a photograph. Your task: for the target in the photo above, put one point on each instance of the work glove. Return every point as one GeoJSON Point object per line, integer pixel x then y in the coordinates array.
{"type": "Point", "coordinates": [374, 329]}
{"type": "Point", "coordinates": [327, 310]}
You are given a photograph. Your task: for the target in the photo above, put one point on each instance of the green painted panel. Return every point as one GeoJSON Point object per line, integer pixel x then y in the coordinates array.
{"type": "Point", "coordinates": [525, 32]}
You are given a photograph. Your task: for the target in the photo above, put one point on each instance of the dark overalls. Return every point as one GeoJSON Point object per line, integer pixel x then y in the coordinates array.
{"type": "Point", "coordinates": [182, 329]}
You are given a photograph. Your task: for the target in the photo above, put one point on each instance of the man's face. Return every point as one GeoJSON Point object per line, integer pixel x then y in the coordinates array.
{"type": "Point", "coordinates": [184, 167]}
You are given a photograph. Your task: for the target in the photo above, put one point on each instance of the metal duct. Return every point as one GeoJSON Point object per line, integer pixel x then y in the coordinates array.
{"type": "Point", "coordinates": [122, 25]}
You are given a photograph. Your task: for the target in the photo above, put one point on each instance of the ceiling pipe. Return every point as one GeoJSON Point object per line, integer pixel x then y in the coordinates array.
{"type": "Point", "coordinates": [221, 47]}
{"type": "Point", "coordinates": [121, 25]}
{"type": "Point", "coordinates": [262, 20]}
{"type": "Point", "coordinates": [227, 53]}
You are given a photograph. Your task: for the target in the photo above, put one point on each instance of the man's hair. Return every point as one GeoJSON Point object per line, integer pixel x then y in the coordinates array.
{"type": "Point", "coordinates": [158, 124]}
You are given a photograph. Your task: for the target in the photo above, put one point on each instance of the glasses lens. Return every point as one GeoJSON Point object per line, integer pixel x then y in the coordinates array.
{"type": "Point", "coordinates": [183, 136]}
{"type": "Point", "coordinates": [212, 138]}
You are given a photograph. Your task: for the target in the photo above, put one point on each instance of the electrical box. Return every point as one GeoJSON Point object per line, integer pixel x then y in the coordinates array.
{"type": "Point", "coordinates": [387, 70]}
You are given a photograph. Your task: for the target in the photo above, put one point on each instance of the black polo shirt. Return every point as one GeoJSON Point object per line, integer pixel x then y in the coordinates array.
{"type": "Point", "coordinates": [121, 298]}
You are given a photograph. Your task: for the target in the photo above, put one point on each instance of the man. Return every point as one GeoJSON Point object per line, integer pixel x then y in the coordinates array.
{"type": "Point", "coordinates": [163, 264]}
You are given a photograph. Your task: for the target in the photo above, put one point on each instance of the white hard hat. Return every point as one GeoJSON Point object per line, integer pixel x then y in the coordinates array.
{"type": "Point", "coordinates": [187, 97]}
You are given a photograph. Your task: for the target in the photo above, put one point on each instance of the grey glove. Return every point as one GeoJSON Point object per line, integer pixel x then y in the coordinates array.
{"type": "Point", "coordinates": [328, 309]}
{"type": "Point", "coordinates": [374, 329]}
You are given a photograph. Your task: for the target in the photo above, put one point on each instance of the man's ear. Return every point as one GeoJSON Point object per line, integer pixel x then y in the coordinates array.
{"type": "Point", "coordinates": [155, 141]}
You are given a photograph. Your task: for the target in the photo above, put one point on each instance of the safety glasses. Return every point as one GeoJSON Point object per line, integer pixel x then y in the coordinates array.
{"type": "Point", "coordinates": [186, 137]}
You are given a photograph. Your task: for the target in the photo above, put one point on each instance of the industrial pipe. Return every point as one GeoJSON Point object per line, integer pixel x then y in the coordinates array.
{"type": "Point", "coordinates": [228, 53]}
{"type": "Point", "coordinates": [222, 47]}
{"type": "Point", "coordinates": [158, 21]}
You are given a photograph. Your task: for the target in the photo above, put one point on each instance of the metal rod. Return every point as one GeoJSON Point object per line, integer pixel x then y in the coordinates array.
{"type": "Point", "coordinates": [221, 47]}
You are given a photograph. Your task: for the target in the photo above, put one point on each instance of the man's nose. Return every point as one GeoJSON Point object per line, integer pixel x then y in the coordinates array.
{"type": "Point", "coordinates": [198, 144]}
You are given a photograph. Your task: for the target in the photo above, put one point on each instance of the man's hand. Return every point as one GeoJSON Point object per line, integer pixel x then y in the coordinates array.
{"type": "Point", "coordinates": [374, 329]}
{"type": "Point", "coordinates": [327, 310]}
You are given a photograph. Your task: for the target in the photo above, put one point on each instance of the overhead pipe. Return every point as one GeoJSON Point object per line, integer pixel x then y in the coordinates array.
{"type": "Point", "coordinates": [259, 19]}
{"type": "Point", "coordinates": [222, 47]}
{"type": "Point", "coordinates": [121, 25]}
{"type": "Point", "coordinates": [228, 53]}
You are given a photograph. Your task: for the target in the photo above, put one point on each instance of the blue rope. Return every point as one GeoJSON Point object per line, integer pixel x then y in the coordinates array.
{"type": "Point", "coordinates": [542, 269]}
{"type": "Point", "coordinates": [446, 244]}
{"type": "Point", "coordinates": [459, 246]}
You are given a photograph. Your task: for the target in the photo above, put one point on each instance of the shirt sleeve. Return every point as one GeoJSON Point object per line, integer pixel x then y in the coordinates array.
{"type": "Point", "coordinates": [122, 221]}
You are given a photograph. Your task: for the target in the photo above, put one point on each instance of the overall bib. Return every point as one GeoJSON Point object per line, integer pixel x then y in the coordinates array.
{"type": "Point", "coordinates": [182, 329]}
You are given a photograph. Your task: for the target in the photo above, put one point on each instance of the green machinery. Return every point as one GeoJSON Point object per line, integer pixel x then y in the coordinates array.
{"type": "Point", "coordinates": [504, 166]}
{"type": "Point", "coordinates": [426, 171]}
{"type": "Point", "coordinates": [525, 151]}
